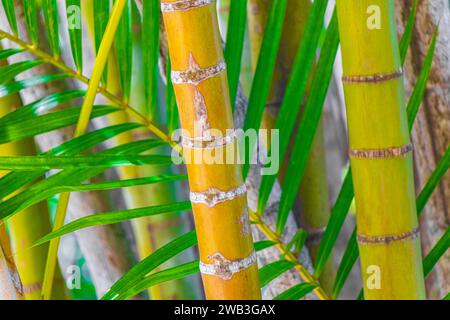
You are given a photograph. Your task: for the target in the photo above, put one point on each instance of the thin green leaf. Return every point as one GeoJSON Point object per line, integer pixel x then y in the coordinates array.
{"type": "Point", "coordinates": [35, 125]}
{"type": "Point", "coordinates": [272, 270]}
{"type": "Point", "coordinates": [101, 219]}
{"type": "Point", "coordinates": [4, 54]}
{"type": "Point", "coordinates": [92, 139]}
{"type": "Point", "coordinates": [348, 261]}
{"type": "Point", "coordinates": [17, 86]}
{"type": "Point", "coordinates": [334, 226]}
{"type": "Point", "coordinates": [50, 8]}
{"type": "Point", "coordinates": [308, 123]}
{"type": "Point", "coordinates": [73, 8]}
{"type": "Point", "coordinates": [407, 35]}
{"type": "Point", "coordinates": [421, 85]}
{"type": "Point", "coordinates": [42, 190]}
{"type": "Point", "coordinates": [29, 7]}
{"type": "Point", "coordinates": [16, 179]}
{"type": "Point", "coordinates": [261, 245]}
{"type": "Point", "coordinates": [235, 44]}
{"type": "Point", "coordinates": [264, 70]}
{"type": "Point", "coordinates": [110, 185]}
{"type": "Point", "coordinates": [295, 91]}
{"type": "Point", "coordinates": [436, 253]}
{"type": "Point", "coordinates": [8, 72]}
{"type": "Point", "coordinates": [298, 241]}
{"type": "Point", "coordinates": [40, 106]}
{"type": "Point", "coordinates": [137, 273]}
{"type": "Point", "coordinates": [65, 162]}
{"type": "Point", "coordinates": [150, 53]}
{"type": "Point", "coordinates": [8, 6]}
{"type": "Point", "coordinates": [124, 48]}
{"type": "Point", "coordinates": [296, 292]}
{"type": "Point", "coordinates": [118, 184]}
{"type": "Point", "coordinates": [153, 279]}
{"type": "Point", "coordinates": [433, 181]}
{"type": "Point", "coordinates": [447, 297]}
{"type": "Point", "coordinates": [175, 273]}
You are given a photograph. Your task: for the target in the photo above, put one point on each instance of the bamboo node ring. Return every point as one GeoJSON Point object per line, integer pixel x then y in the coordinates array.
{"type": "Point", "coordinates": [214, 196]}
{"type": "Point", "coordinates": [374, 78]}
{"type": "Point", "coordinates": [195, 74]}
{"type": "Point", "coordinates": [387, 239]}
{"type": "Point", "coordinates": [225, 268]}
{"type": "Point", "coordinates": [184, 5]}
{"type": "Point", "coordinates": [391, 152]}
{"type": "Point", "coordinates": [315, 235]}
{"type": "Point", "coordinates": [209, 141]}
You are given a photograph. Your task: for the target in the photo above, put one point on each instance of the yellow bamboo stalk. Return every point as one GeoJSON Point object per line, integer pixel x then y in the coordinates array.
{"type": "Point", "coordinates": [380, 151]}
{"type": "Point", "coordinates": [313, 192]}
{"type": "Point", "coordinates": [228, 261]}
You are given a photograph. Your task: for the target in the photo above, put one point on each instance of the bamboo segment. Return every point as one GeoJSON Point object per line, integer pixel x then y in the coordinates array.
{"type": "Point", "coordinates": [228, 260]}
{"type": "Point", "coordinates": [381, 158]}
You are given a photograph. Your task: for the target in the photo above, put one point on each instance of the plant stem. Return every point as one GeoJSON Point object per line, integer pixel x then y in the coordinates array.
{"type": "Point", "coordinates": [282, 247]}
{"type": "Point", "coordinates": [381, 160]}
{"type": "Point", "coordinates": [204, 103]}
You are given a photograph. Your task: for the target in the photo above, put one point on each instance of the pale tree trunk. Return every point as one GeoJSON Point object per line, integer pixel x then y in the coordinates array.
{"type": "Point", "coordinates": [431, 134]}
{"type": "Point", "coordinates": [103, 247]}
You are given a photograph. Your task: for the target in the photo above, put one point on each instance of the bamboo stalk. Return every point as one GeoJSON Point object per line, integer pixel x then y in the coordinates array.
{"type": "Point", "coordinates": [228, 261]}
{"type": "Point", "coordinates": [380, 151]}
{"type": "Point", "coordinates": [313, 192]}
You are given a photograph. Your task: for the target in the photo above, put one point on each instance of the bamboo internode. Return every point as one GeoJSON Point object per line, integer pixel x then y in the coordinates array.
{"type": "Point", "coordinates": [383, 178]}
{"type": "Point", "coordinates": [229, 270]}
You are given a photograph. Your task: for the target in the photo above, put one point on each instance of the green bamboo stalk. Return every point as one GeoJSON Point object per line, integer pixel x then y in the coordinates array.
{"type": "Point", "coordinates": [30, 261]}
{"type": "Point", "coordinates": [380, 151]}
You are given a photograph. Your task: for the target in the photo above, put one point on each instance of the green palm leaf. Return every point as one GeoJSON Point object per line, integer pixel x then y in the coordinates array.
{"type": "Point", "coordinates": [295, 91]}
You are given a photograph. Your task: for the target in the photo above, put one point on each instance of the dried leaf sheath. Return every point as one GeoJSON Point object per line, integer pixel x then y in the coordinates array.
{"type": "Point", "coordinates": [201, 89]}
{"type": "Point", "coordinates": [10, 285]}
{"type": "Point", "coordinates": [383, 180]}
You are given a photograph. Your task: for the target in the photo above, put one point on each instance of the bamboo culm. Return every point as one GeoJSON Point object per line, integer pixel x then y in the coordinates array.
{"type": "Point", "coordinates": [228, 260]}
{"type": "Point", "coordinates": [380, 151]}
